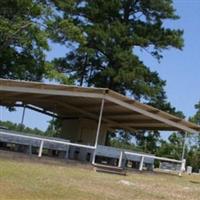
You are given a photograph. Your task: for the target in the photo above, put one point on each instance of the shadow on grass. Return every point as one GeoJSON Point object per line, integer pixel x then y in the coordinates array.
{"type": "Point", "coordinates": [195, 182]}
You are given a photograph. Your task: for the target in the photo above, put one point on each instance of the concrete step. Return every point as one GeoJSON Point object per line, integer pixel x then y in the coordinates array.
{"type": "Point", "coordinates": [109, 169]}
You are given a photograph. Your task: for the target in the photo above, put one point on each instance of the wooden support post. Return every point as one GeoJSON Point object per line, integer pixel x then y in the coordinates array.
{"type": "Point", "coordinates": [120, 159]}
{"type": "Point", "coordinates": [141, 163]}
{"type": "Point", "coordinates": [98, 130]}
{"type": "Point", "coordinates": [41, 148]}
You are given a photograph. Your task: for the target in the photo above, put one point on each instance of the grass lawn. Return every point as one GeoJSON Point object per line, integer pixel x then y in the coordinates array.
{"type": "Point", "coordinates": [26, 179]}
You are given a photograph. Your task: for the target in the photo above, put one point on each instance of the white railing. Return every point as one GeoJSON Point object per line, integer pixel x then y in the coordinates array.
{"type": "Point", "coordinates": [2, 132]}
{"type": "Point", "coordinates": [153, 157]}
{"type": "Point", "coordinates": [64, 142]}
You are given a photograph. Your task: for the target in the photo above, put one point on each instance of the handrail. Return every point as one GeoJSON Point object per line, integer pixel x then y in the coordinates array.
{"type": "Point", "coordinates": [47, 140]}
{"type": "Point", "coordinates": [154, 157]}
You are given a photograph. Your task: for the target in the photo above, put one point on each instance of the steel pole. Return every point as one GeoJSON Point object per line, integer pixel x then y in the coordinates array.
{"type": "Point", "coordinates": [98, 129]}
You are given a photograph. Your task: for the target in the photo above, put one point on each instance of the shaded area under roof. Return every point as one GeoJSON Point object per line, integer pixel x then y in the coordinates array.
{"type": "Point", "coordinates": [120, 112]}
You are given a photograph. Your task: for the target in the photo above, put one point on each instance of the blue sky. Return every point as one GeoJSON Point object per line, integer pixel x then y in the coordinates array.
{"type": "Point", "coordinates": [181, 69]}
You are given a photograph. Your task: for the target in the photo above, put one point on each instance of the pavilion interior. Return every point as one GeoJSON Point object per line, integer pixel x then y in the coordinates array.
{"type": "Point", "coordinates": [83, 111]}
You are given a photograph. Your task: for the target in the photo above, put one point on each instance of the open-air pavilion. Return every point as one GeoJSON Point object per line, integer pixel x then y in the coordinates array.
{"type": "Point", "coordinates": [88, 114]}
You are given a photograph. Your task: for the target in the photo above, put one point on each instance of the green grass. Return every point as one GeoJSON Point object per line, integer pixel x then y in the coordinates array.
{"type": "Point", "coordinates": [25, 179]}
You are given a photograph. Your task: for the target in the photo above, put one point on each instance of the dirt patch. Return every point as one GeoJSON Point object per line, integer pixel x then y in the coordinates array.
{"type": "Point", "coordinates": [21, 157]}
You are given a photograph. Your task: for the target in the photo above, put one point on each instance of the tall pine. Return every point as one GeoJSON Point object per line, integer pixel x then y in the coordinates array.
{"type": "Point", "coordinates": [112, 32]}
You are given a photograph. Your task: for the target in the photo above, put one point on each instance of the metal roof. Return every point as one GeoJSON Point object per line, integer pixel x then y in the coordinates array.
{"type": "Point", "coordinates": [75, 102]}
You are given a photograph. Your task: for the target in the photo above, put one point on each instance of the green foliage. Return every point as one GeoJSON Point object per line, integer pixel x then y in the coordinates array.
{"type": "Point", "coordinates": [172, 148]}
{"type": "Point", "coordinates": [121, 139]}
{"type": "Point", "coordinates": [196, 117]}
{"type": "Point", "coordinates": [54, 129]}
{"type": "Point", "coordinates": [193, 158]}
{"type": "Point", "coordinates": [55, 75]}
{"type": "Point", "coordinates": [111, 31]}
{"type": "Point", "coordinates": [148, 141]}
{"type": "Point", "coordinates": [20, 128]}
{"type": "Point", "coordinates": [62, 28]}
{"type": "Point", "coordinates": [119, 144]}
{"type": "Point", "coordinates": [25, 29]}
{"type": "Point", "coordinates": [22, 40]}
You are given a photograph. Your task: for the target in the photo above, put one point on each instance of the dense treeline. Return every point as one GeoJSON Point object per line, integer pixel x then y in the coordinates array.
{"type": "Point", "coordinates": [53, 130]}
{"type": "Point", "coordinates": [20, 128]}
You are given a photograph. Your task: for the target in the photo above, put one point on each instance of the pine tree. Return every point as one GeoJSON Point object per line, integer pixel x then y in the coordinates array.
{"type": "Point", "coordinates": [25, 29]}
{"type": "Point", "coordinates": [112, 31]}
{"type": "Point", "coordinates": [22, 40]}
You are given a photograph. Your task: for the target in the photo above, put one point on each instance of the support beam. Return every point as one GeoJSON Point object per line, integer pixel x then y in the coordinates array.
{"type": "Point", "coordinates": [98, 129]}
{"type": "Point", "coordinates": [45, 112]}
{"type": "Point", "coordinates": [23, 115]}
{"type": "Point", "coordinates": [126, 116]}
{"type": "Point", "coordinates": [41, 149]}
{"type": "Point", "coordinates": [67, 153]}
{"type": "Point", "coordinates": [151, 115]}
{"type": "Point", "coordinates": [30, 150]}
{"type": "Point", "coordinates": [34, 108]}
{"type": "Point", "coordinates": [141, 163]}
{"type": "Point", "coordinates": [108, 105]}
{"type": "Point", "coordinates": [120, 159]}
{"type": "Point", "coordinates": [19, 96]}
{"type": "Point", "coordinates": [99, 123]}
{"type": "Point", "coordinates": [182, 169]}
{"type": "Point", "coordinates": [146, 124]}
{"type": "Point", "coordinates": [183, 165]}
{"type": "Point", "coordinates": [55, 91]}
{"type": "Point", "coordinates": [184, 146]}
{"type": "Point", "coordinates": [91, 115]}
